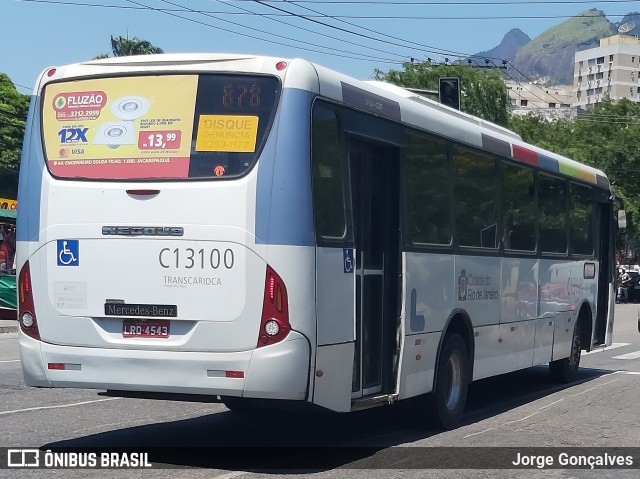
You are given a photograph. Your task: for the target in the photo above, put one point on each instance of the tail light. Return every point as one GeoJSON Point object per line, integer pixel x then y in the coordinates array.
{"type": "Point", "coordinates": [274, 325]}
{"type": "Point", "coordinates": [26, 310]}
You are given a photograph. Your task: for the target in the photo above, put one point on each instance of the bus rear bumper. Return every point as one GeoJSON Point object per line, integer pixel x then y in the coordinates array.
{"type": "Point", "coordinates": [278, 371]}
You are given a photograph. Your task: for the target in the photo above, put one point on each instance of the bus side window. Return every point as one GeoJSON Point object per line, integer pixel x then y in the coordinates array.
{"type": "Point", "coordinates": [519, 208]}
{"type": "Point", "coordinates": [553, 219]}
{"type": "Point", "coordinates": [326, 167]}
{"type": "Point", "coordinates": [476, 199]}
{"type": "Point", "coordinates": [581, 215]}
{"type": "Point", "coordinates": [427, 191]}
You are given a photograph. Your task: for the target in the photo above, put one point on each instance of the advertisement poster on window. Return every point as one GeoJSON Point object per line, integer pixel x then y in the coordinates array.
{"type": "Point", "coordinates": [133, 127]}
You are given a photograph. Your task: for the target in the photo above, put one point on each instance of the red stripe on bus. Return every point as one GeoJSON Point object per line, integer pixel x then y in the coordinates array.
{"type": "Point", "coordinates": [525, 155]}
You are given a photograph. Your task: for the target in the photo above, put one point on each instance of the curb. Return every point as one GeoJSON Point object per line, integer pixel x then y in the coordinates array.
{"type": "Point", "coordinates": [8, 329]}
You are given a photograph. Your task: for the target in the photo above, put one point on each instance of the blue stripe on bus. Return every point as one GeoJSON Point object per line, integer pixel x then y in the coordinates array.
{"type": "Point", "coordinates": [284, 211]}
{"type": "Point", "coordinates": [30, 180]}
{"type": "Point", "coordinates": [548, 163]}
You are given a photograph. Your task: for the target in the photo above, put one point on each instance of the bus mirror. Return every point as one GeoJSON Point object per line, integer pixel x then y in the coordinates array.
{"type": "Point", "coordinates": [622, 220]}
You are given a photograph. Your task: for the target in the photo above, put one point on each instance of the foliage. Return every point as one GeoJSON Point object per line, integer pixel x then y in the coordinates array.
{"type": "Point", "coordinates": [121, 46]}
{"type": "Point", "coordinates": [607, 138]}
{"type": "Point", "coordinates": [13, 114]}
{"type": "Point", "coordinates": [484, 94]}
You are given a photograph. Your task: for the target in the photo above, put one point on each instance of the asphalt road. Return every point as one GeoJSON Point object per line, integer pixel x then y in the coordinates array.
{"type": "Point", "coordinates": [519, 410]}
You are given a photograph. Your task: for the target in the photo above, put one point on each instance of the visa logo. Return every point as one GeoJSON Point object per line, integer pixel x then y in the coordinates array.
{"type": "Point", "coordinates": [77, 151]}
{"type": "Point", "coordinates": [73, 135]}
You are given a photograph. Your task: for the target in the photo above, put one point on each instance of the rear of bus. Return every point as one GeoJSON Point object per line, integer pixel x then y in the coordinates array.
{"type": "Point", "coordinates": [150, 254]}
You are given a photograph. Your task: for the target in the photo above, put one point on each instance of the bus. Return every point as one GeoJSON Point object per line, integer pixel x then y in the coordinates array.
{"type": "Point", "coordinates": [255, 231]}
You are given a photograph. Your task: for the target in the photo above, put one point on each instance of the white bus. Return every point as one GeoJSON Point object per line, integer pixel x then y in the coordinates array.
{"type": "Point", "coordinates": [253, 229]}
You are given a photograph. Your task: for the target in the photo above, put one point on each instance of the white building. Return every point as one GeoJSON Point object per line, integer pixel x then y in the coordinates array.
{"type": "Point", "coordinates": [550, 102]}
{"type": "Point", "coordinates": [611, 69]}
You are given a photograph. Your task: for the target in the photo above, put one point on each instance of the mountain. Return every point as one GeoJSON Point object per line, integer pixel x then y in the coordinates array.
{"type": "Point", "coordinates": [513, 41]}
{"type": "Point", "coordinates": [552, 53]}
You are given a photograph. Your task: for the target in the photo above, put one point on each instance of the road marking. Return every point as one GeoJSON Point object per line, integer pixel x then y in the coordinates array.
{"type": "Point", "coordinates": [634, 355]}
{"type": "Point", "coordinates": [230, 475]}
{"type": "Point", "coordinates": [11, 361]}
{"type": "Point", "coordinates": [540, 409]}
{"type": "Point", "coordinates": [608, 348]}
{"type": "Point", "coordinates": [633, 373]}
{"type": "Point", "coordinates": [2, 413]}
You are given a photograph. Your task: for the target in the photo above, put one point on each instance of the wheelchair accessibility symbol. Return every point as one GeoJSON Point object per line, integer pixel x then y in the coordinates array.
{"type": "Point", "coordinates": [68, 253]}
{"type": "Point", "coordinates": [347, 256]}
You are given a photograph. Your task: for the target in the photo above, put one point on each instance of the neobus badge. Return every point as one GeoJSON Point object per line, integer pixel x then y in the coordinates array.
{"type": "Point", "coordinates": [143, 230]}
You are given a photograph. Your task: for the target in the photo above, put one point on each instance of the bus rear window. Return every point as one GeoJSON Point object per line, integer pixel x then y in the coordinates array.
{"type": "Point", "coordinates": [157, 127]}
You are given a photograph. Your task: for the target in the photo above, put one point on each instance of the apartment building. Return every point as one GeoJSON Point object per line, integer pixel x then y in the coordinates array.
{"type": "Point", "coordinates": [611, 69]}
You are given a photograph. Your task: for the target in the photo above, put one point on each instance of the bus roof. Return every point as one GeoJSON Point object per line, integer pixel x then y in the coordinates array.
{"type": "Point", "coordinates": [434, 117]}
{"type": "Point", "coordinates": [379, 98]}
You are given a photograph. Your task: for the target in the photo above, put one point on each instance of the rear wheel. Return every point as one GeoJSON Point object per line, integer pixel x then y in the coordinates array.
{"type": "Point", "coordinates": [452, 383]}
{"type": "Point", "coordinates": [565, 370]}
{"type": "Point", "coordinates": [240, 405]}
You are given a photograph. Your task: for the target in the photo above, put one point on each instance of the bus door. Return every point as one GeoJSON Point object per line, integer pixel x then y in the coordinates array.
{"type": "Point", "coordinates": [374, 180]}
{"type": "Point", "coordinates": [604, 255]}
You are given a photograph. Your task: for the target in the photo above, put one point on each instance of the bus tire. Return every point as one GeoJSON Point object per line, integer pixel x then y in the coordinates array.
{"type": "Point", "coordinates": [239, 405]}
{"type": "Point", "coordinates": [565, 370]}
{"type": "Point", "coordinates": [452, 383]}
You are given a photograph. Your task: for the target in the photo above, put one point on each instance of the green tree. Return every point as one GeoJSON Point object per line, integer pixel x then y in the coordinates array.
{"type": "Point", "coordinates": [123, 46]}
{"type": "Point", "coordinates": [13, 114]}
{"type": "Point", "coordinates": [483, 94]}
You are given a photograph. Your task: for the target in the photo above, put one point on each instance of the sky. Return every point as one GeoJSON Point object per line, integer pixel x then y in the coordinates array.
{"type": "Point", "coordinates": [354, 37]}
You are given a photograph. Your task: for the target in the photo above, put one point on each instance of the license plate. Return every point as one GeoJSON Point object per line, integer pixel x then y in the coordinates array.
{"type": "Point", "coordinates": [145, 329]}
